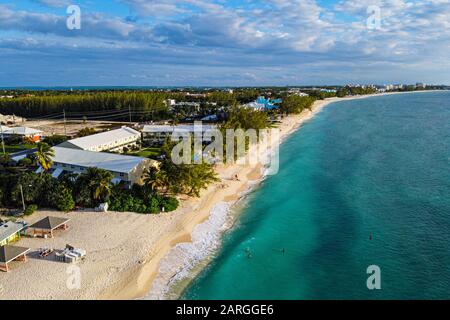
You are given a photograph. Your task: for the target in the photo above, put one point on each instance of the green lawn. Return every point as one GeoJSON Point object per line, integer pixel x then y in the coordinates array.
{"type": "Point", "coordinates": [17, 147]}
{"type": "Point", "coordinates": [147, 153]}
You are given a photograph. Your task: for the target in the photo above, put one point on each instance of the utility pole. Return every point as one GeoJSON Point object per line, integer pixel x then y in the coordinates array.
{"type": "Point", "coordinates": [3, 141]}
{"type": "Point", "coordinates": [65, 129]}
{"type": "Point", "coordinates": [23, 200]}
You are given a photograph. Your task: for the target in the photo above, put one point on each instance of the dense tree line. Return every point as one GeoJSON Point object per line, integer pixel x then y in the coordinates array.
{"type": "Point", "coordinates": [144, 106]}
{"type": "Point", "coordinates": [246, 118]}
{"type": "Point", "coordinates": [295, 104]}
{"type": "Point", "coordinates": [42, 190]}
{"type": "Point", "coordinates": [345, 91]}
{"type": "Point", "coordinates": [320, 95]}
{"type": "Point", "coordinates": [85, 190]}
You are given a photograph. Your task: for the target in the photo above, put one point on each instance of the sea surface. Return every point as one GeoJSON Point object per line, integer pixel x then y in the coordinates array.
{"type": "Point", "coordinates": [365, 182]}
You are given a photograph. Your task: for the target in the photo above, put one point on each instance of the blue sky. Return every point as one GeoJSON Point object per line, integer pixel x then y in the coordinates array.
{"type": "Point", "coordinates": [223, 43]}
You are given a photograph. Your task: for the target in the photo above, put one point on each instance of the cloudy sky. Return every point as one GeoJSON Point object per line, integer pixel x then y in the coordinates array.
{"type": "Point", "coordinates": [224, 43]}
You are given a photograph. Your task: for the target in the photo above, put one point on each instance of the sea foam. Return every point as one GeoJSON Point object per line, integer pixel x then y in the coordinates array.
{"type": "Point", "coordinates": [183, 257]}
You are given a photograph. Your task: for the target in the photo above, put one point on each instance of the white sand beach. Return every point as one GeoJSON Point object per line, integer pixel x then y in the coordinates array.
{"type": "Point", "coordinates": [125, 250]}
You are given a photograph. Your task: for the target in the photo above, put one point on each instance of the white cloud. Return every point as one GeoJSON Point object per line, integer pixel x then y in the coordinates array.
{"type": "Point", "coordinates": [54, 3]}
{"type": "Point", "coordinates": [273, 33]}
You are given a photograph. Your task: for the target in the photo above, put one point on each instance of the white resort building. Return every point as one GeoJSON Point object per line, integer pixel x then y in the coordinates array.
{"type": "Point", "coordinates": [128, 169]}
{"type": "Point", "coordinates": [114, 140]}
{"type": "Point", "coordinates": [156, 134]}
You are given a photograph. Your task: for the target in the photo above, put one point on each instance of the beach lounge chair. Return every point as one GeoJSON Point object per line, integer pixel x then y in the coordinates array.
{"type": "Point", "coordinates": [70, 254]}
{"type": "Point", "coordinates": [80, 253]}
{"type": "Point", "coordinates": [60, 257]}
{"type": "Point", "coordinates": [45, 252]}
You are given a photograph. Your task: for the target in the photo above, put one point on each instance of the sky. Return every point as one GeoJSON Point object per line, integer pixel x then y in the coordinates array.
{"type": "Point", "coordinates": [224, 43]}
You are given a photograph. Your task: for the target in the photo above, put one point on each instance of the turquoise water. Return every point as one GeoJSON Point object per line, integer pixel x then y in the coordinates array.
{"type": "Point", "coordinates": [365, 182]}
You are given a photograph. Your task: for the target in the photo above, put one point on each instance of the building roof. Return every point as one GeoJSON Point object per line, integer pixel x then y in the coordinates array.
{"type": "Point", "coordinates": [9, 253]}
{"type": "Point", "coordinates": [168, 128]}
{"type": "Point", "coordinates": [8, 228]}
{"type": "Point", "coordinates": [49, 223]}
{"type": "Point", "coordinates": [263, 103]}
{"type": "Point", "coordinates": [107, 161]}
{"type": "Point", "coordinates": [99, 139]}
{"type": "Point", "coordinates": [23, 131]}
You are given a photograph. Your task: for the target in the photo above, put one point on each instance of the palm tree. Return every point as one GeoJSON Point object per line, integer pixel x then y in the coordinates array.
{"type": "Point", "coordinates": [98, 182]}
{"type": "Point", "coordinates": [44, 155]}
{"type": "Point", "coordinates": [155, 179]}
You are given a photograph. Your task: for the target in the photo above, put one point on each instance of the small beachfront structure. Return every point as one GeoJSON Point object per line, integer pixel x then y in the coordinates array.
{"type": "Point", "coordinates": [11, 253]}
{"type": "Point", "coordinates": [10, 232]}
{"type": "Point", "coordinates": [46, 226]}
{"type": "Point", "coordinates": [124, 168]}
{"type": "Point", "coordinates": [114, 140]}
{"type": "Point", "coordinates": [157, 134]}
{"type": "Point", "coordinates": [30, 134]}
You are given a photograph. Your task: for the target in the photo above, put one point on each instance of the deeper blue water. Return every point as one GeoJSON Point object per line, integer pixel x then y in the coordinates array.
{"type": "Point", "coordinates": [366, 182]}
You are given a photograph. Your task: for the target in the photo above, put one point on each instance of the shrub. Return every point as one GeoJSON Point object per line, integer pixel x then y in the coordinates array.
{"type": "Point", "coordinates": [31, 184]}
{"type": "Point", "coordinates": [55, 139]}
{"type": "Point", "coordinates": [86, 132]}
{"type": "Point", "coordinates": [64, 199]}
{"type": "Point", "coordinates": [30, 209]}
{"type": "Point", "coordinates": [154, 205]}
{"type": "Point", "coordinates": [137, 200]}
{"type": "Point", "coordinates": [25, 162]}
{"type": "Point", "coordinates": [169, 204]}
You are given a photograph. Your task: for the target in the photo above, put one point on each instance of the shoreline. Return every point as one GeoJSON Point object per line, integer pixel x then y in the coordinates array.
{"type": "Point", "coordinates": [141, 284]}
{"type": "Point", "coordinates": [132, 256]}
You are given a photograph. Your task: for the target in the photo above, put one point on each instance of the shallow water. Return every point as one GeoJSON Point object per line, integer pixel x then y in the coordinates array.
{"type": "Point", "coordinates": [366, 182]}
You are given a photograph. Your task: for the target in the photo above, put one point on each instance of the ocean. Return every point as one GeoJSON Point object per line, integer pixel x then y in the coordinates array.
{"type": "Point", "coordinates": [365, 182]}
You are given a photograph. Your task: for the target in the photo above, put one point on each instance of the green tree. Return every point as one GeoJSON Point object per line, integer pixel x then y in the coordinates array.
{"type": "Point", "coordinates": [31, 186]}
{"type": "Point", "coordinates": [5, 161]}
{"type": "Point", "coordinates": [55, 139]}
{"type": "Point", "coordinates": [296, 104]}
{"type": "Point", "coordinates": [44, 154]}
{"type": "Point", "coordinates": [63, 199]}
{"type": "Point", "coordinates": [184, 178]}
{"type": "Point", "coordinates": [246, 118]}
{"type": "Point", "coordinates": [199, 176]}
{"type": "Point", "coordinates": [94, 186]}
{"type": "Point", "coordinates": [155, 179]}
{"type": "Point", "coordinates": [86, 132]}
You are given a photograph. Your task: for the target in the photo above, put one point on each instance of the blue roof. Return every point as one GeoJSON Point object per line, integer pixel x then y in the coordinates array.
{"type": "Point", "coordinates": [268, 104]}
